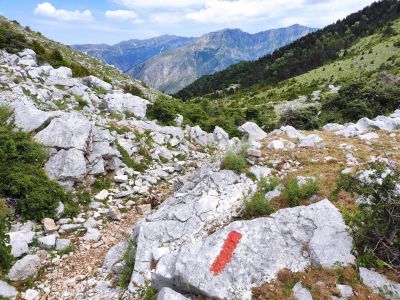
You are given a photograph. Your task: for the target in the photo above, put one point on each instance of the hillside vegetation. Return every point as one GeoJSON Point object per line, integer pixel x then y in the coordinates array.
{"type": "Point", "coordinates": [342, 89]}
{"type": "Point", "coordinates": [309, 52]}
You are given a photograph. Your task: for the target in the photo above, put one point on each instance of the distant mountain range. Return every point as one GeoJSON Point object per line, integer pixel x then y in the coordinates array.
{"type": "Point", "coordinates": [170, 63]}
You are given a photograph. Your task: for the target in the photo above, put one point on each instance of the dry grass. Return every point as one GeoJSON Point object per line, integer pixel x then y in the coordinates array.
{"type": "Point", "coordinates": [320, 282]}
{"type": "Point", "coordinates": [312, 161]}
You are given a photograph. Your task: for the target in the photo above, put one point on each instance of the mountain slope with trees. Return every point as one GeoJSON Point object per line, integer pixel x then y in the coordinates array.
{"type": "Point", "coordinates": [309, 52]}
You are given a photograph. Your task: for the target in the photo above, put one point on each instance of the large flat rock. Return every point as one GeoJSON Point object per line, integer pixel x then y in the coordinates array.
{"type": "Point", "coordinates": [244, 254]}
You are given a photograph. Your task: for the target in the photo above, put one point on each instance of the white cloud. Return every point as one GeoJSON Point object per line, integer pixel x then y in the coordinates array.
{"type": "Point", "coordinates": [226, 11]}
{"type": "Point", "coordinates": [122, 15]}
{"type": "Point", "coordinates": [46, 9]}
{"type": "Point", "coordinates": [160, 3]}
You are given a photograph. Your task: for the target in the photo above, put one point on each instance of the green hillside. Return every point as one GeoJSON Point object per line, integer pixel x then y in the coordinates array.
{"type": "Point", "coordinates": [356, 69]}
{"type": "Point", "coordinates": [309, 52]}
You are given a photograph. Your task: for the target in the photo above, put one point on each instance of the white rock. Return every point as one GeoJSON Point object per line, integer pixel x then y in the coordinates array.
{"type": "Point", "coordinates": [103, 195]}
{"type": "Point", "coordinates": [7, 291]}
{"type": "Point", "coordinates": [369, 136]}
{"type": "Point", "coordinates": [276, 145]}
{"type": "Point", "coordinates": [170, 294]}
{"type": "Point", "coordinates": [310, 141]}
{"type": "Point", "coordinates": [67, 165]}
{"type": "Point", "coordinates": [380, 284]}
{"type": "Point", "coordinates": [345, 291]}
{"type": "Point", "coordinates": [301, 293]}
{"type": "Point", "coordinates": [24, 268]}
{"type": "Point", "coordinates": [19, 242]}
{"type": "Point", "coordinates": [119, 103]}
{"type": "Point", "coordinates": [114, 255]}
{"type": "Point", "coordinates": [92, 235]}
{"type": "Point", "coordinates": [254, 132]}
{"type": "Point", "coordinates": [266, 246]}
{"type": "Point", "coordinates": [62, 244]}
{"type": "Point", "coordinates": [31, 294]}
{"type": "Point", "coordinates": [61, 72]}
{"type": "Point", "coordinates": [260, 171]}
{"type": "Point", "coordinates": [47, 242]}
{"type": "Point", "coordinates": [121, 178]}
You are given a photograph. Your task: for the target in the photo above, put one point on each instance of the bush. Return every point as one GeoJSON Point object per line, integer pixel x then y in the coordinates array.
{"type": "Point", "coordinates": [293, 192]}
{"type": "Point", "coordinates": [78, 70]}
{"type": "Point", "coordinates": [22, 177]}
{"type": "Point", "coordinates": [133, 90]}
{"type": "Point", "coordinates": [374, 223]}
{"type": "Point", "coordinates": [164, 110]}
{"type": "Point", "coordinates": [234, 161]}
{"type": "Point", "coordinates": [303, 119]}
{"type": "Point", "coordinates": [129, 264]}
{"type": "Point", "coordinates": [266, 185]}
{"type": "Point", "coordinates": [359, 100]}
{"type": "Point", "coordinates": [5, 249]}
{"type": "Point", "coordinates": [257, 206]}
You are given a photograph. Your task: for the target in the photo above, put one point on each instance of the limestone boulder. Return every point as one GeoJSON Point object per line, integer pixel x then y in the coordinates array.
{"type": "Point", "coordinates": [293, 238]}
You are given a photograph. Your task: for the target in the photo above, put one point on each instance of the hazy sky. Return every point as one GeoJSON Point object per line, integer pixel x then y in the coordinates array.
{"type": "Point", "coordinates": [111, 21]}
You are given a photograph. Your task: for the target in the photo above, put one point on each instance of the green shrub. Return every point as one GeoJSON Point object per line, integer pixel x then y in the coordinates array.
{"type": "Point", "coordinates": [293, 192]}
{"type": "Point", "coordinates": [268, 184]}
{"type": "Point", "coordinates": [374, 223]}
{"type": "Point", "coordinates": [78, 70]}
{"type": "Point", "coordinates": [133, 90]}
{"type": "Point", "coordinates": [126, 159]}
{"type": "Point", "coordinates": [147, 292]}
{"type": "Point", "coordinates": [303, 119]}
{"type": "Point", "coordinates": [359, 100]}
{"type": "Point", "coordinates": [5, 249]}
{"type": "Point", "coordinates": [129, 264]}
{"type": "Point", "coordinates": [257, 206]}
{"type": "Point", "coordinates": [101, 183]}
{"type": "Point", "coordinates": [234, 161]}
{"type": "Point", "coordinates": [22, 177]}
{"type": "Point", "coordinates": [164, 110]}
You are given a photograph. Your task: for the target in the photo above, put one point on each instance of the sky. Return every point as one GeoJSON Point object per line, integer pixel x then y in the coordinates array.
{"type": "Point", "coordinates": [112, 21]}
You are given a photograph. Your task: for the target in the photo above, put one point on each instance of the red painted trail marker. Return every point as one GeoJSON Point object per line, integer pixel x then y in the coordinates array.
{"type": "Point", "coordinates": [226, 253]}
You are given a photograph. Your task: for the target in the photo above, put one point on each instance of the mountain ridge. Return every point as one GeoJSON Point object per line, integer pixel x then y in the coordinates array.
{"type": "Point", "coordinates": [210, 53]}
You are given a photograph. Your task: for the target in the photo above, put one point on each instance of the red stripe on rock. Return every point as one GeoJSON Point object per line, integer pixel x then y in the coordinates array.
{"type": "Point", "coordinates": [226, 253]}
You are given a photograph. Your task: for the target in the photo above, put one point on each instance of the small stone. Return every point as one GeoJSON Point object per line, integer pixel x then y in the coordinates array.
{"type": "Point", "coordinates": [144, 209]}
{"type": "Point", "coordinates": [47, 242]}
{"type": "Point", "coordinates": [345, 291]}
{"type": "Point", "coordinates": [32, 295]}
{"type": "Point", "coordinates": [90, 223]}
{"type": "Point", "coordinates": [254, 152]}
{"type": "Point", "coordinates": [301, 293]}
{"type": "Point", "coordinates": [92, 235]}
{"type": "Point", "coordinates": [62, 244]}
{"type": "Point", "coordinates": [121, 179]}
{"type": "Point", "coordinates": [114, 213]}
{"type": "Point", "coordinates": [42, 254]}
{"type": "Point", "coordinates": [49, 225]}
{"type": "Point", "coordinates": [7, 291]}
{"type": "Point", "coordinates": [103, 195]}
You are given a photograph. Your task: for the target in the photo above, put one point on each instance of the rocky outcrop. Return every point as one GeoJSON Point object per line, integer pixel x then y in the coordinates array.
{"type": "Point", "coordinates": [206, 199]}
{"type": "Point", "coordinates": [365, 125]}
{"type": "Point", "coordinates": [126, 103]}
{"type": "Point", "coordinates": [294, 238]}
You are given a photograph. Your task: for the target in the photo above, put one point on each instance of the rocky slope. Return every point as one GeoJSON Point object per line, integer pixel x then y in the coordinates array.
{"type": "Point", "coordinates": [175, 212]}
{"type": "Point", "coordinates": [212, 52]}
{"type": "Point", "coordinates": [176, 226]}
{"type": "Point", "coordinates": [127, 54]}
